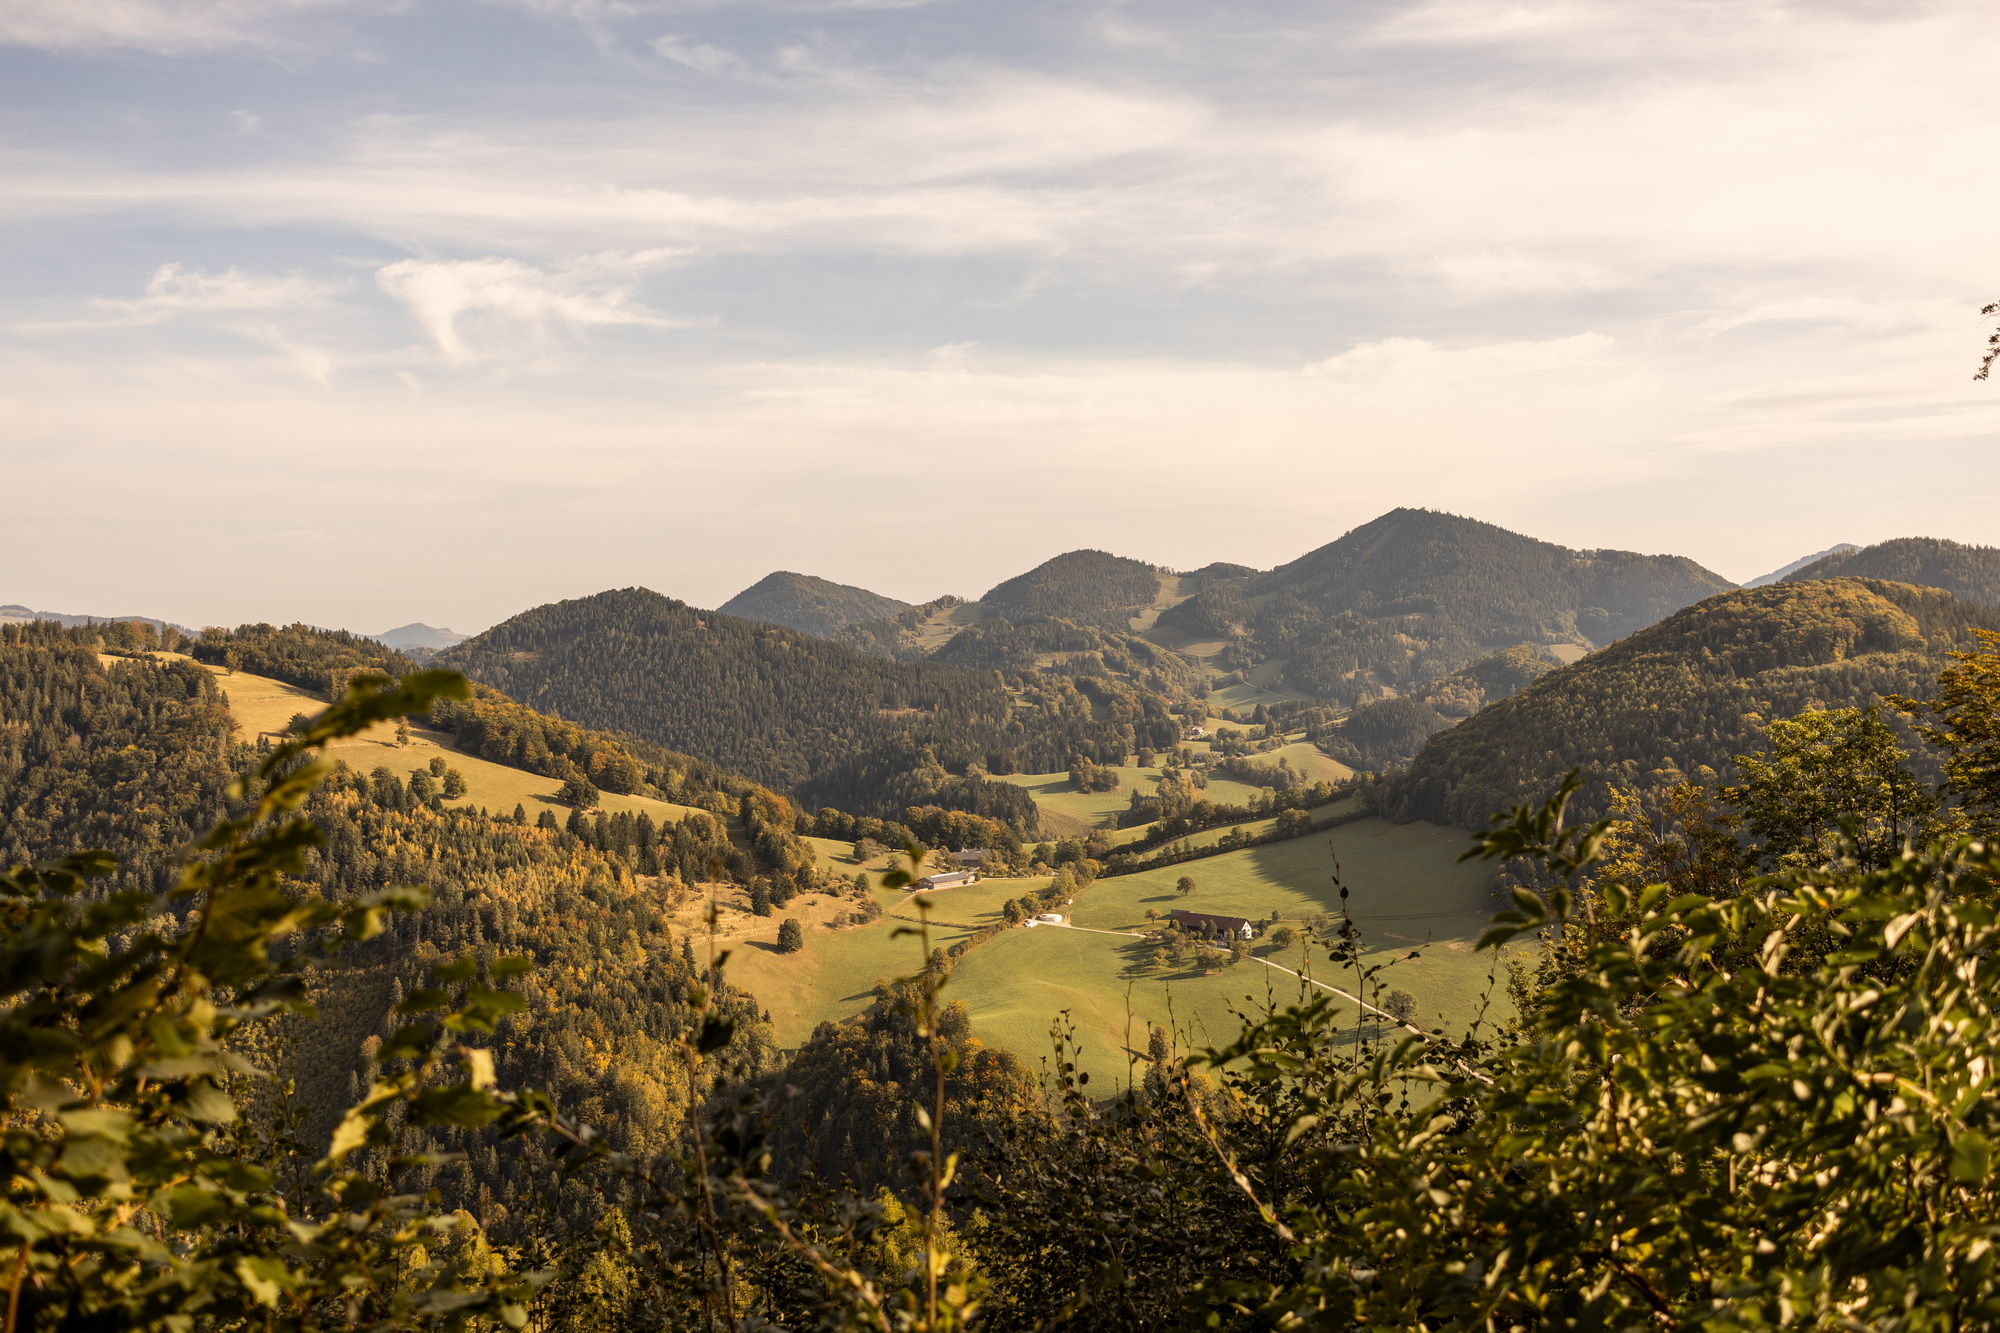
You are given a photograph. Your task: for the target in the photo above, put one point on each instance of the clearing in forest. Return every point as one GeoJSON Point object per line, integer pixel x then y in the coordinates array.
{"type": "Point", "coordinates": [262, 706]}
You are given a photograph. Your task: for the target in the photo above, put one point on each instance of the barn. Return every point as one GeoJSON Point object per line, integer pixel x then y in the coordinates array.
{"type": "Point", "coordinates": [1210, 926]}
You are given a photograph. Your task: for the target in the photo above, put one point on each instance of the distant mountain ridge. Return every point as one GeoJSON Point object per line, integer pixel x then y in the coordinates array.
{"type": "Point", "coordinates": [810, 604]}
{"type": "Point", "coordinates": [1762, 579]}
{"type": "Point", "coordinates": [1398, 603]}
{"type": "Point", "coordinates": [1416, 595]}
{"type": "Point", "coordinates": [1970, 572]}
{"type": "Point", "coordinates": [13, 614]}
{"type": "Point", "coordinates": [419, 635]}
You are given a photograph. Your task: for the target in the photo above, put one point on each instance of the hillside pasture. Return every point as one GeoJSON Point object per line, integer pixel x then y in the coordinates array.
{"type": "Point", "coordinates": [1069, 813]}
{"type": "Point", "coordinates": [834, 975]}
{"type": "Point", "coordinates": [262, 706]}
{"type": "Point", "coordinates": [1406, 892]}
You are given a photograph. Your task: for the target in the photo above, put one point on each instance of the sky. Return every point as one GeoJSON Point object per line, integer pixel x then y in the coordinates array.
{"type": "Point", "coordinates": [362, 312]}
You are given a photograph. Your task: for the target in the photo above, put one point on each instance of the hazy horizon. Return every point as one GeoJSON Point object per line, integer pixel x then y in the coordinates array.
{"type": "Point", "coordinates": [967, 593]}
{"type": "Point", "coordinates": [516, 300]}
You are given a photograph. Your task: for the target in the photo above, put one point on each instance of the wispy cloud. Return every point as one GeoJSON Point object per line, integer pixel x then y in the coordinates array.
{"type": "Point", "coordinates": [170, 27]}
{"type": "Point", "coordinates": [514, 297]}
{"type": "Point", "coordinates": [174, 290]}
{"type": "Point", "coordinates": [1538, 260]}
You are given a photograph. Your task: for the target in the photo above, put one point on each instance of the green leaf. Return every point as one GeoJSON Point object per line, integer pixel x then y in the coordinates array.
{"type": "Point", "coordinates": [113, 1125]}
{"type": "Point", "coordinates": [478, 1067]}
{"type": "Point", "coordinates": [190, 1206]}
{"type": "Point", "coordinates": [204, 1102]}
{"type": "Point", "coordinates": [1971, 1157]}
{"type": "Point", "coordinates": [515, 965]}
{"type": "Point", "coordinates": [425, 1000]}
{"type": "Point", "coordinates": [460, 1104]}
{"type": "Point", "coordinates": [458, 969]}
{"type": "Point", "coordinates": [264, 1278]}
{"type": "Point", "coordinates": [715, 1033]}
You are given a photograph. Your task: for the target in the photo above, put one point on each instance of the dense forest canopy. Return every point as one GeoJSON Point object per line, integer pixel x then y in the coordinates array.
{"type": "Point", "coordinates": [1064, 648]}
{"type": "Point", "coordinates": [1088, 587]}
{"type": "Point", "coordinates": [131, 757]}
{"type": "Point", "coordinates": [810, 604]}
{"type": "Point", "coordinates": [1679, 700]}
{"type": "Point", "coordinates": [317, 660]}
{"type": "Point", "coordinates": [1970, 572]}
{"type": "Point", "coordinates": [832, 725]}
{"type": "Point", "coordinates": [1415, 595]}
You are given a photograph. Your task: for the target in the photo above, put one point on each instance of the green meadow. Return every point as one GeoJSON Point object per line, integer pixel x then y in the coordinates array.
{"type": "Point", "coordinates": [262, 706]}
{"type": "Point", "coordinates": [1069, 813]}
{"type": "Point", "coordinates": [1406, 892]}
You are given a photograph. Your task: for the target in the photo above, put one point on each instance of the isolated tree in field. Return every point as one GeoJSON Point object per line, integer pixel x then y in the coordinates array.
{"type": "Point", "coordinates": [1283, 938]}
{"type": "Point", "coordinates": [579, 794]}
{"type": "Point", "coordinates": [791, 935]}
{"type": "Point", "coordinates": [437, 766]}
{"type": "Point", "coordinates": [1400, 1005]}
{"type": "Point", "coordinates": [454, 784]}
{"type": "Point", "coordinates": [297, 726]}
{"type": "Point", "coordinates": [402, 732]}
{"type": "Point", "coordinates": [1184, 885]}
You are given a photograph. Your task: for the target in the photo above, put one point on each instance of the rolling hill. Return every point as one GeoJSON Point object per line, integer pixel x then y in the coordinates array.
{"type": "Point", "coordinates": [833, 725]}
{"type": "Point", "coordinates": [810, 604]}
{"type": "Point", "coordinates": [1087, 587]}
{"type": "Point", "coordinates": [1681, 698]}
{"type": "Point", "coordinates": [1415, 595]}
{"type": "Point", "coordinates": [1395, 605]}
{"type": "Point", "coordinates": [1970, 572]}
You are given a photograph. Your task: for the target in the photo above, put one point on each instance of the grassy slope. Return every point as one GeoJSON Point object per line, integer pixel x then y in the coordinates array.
{"type": "Point", "coordinates": [1404, 883]}
{"type": "Point", "coordinates": [834, 974]}
{"type": "Point", "coordinates": [1405, 889]}
{"type": "Point", "coordinates": [1069, 813]}
{"type": "Point", "coordinates": [260, 705]}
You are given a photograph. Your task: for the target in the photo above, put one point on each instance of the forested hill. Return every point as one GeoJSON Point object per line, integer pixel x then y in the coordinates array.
{"type": "Point", "coordinates": [1086, 587]}
{"type": "Point", "coordinates": [1415, 595]}
{"type": "Point", "coordinates": [1682, 698]}
{"type": "Point", "coordinates": [830, 724]}
{"type": "Point", "coordinates": [1970, 572]}
{"type": "Point", "coordinates": [814, 605]}
{"type": "Point", "coordinates": [319, 660]}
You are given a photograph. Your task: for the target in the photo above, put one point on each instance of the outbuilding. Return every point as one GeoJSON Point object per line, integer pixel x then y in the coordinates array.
{"type": "Point", "coordinates": [1211, 926]}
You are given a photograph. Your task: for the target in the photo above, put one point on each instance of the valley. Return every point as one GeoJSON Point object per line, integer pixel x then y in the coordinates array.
{"type": "Point", "coordinates": [1093, 655]}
